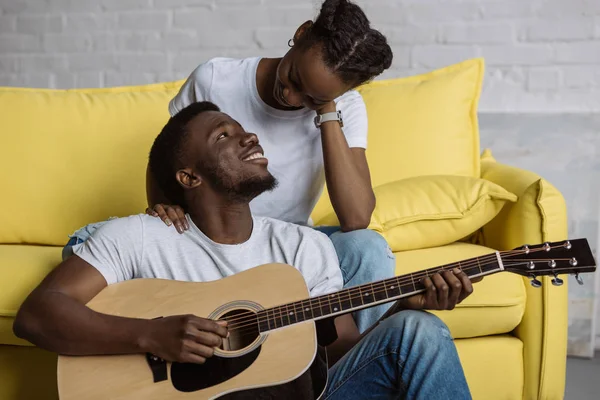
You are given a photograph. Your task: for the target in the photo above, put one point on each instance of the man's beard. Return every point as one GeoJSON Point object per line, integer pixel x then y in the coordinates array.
{"type": "Point", "coordinates": [244, 190]}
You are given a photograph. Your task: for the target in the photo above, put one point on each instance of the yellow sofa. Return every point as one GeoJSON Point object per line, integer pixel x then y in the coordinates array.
{"type": "Point", "coordinates": [68, 158]}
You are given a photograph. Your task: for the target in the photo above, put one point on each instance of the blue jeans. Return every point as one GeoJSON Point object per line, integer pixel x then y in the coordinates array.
{"type": "Point", "coordinates": [410, 355]}
{"type": "Point", "coordinates": [364, 257]}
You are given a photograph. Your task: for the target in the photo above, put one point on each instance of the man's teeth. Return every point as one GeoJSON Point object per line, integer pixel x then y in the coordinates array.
{"type": "Point", "coordinates": [254, 157]}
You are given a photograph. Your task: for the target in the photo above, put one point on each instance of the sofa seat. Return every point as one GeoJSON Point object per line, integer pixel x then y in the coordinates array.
{"type": "Point", "coordinates": [22, 268]}
{"type": "Point", "coordinates": [497, 303]}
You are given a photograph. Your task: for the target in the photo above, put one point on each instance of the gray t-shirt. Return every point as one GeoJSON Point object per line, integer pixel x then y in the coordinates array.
{"type": "Point", "coordinates": [142, 246]}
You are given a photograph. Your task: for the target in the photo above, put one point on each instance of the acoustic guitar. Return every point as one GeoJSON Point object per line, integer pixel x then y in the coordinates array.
{"type": "Point", "coordinates": [272, 346]}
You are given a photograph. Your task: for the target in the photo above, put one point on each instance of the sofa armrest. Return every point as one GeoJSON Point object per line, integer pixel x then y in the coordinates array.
{"type": "Point", "coordinates": [539, 215]}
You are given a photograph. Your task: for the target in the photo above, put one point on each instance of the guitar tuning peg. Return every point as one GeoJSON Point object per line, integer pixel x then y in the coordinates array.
{"type": "Point", "coordinates": [578, 278]}
{"type": "Point", "coordinates": [534, 282]}
{"type": "Point", "coordinates": [557, 281]}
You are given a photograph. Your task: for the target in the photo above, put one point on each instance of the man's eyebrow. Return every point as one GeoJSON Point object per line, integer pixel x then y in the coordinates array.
{"type": "Point", "coordinates": [221, 124]}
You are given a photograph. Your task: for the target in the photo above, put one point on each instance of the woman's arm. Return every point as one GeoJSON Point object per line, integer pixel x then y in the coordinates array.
{"type": "Point", "coordinates": [347, 176]}
{"type": "Point", "coordinates": [158, 205]}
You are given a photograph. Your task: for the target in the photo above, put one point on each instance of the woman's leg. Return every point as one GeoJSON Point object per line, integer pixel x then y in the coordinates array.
{"type": "Point", "coordinates": [364, 257]}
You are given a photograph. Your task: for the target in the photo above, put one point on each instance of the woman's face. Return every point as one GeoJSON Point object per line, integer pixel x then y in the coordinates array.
{"type": "Point", "coordinates": [303, 80]}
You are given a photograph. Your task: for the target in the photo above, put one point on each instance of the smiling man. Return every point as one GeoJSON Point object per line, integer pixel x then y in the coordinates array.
{"type": "Point", "coordinates": [205, 160]}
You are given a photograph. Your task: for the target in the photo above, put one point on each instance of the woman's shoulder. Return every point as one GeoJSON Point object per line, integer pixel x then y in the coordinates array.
{"type": "Point", "coordinates": [351, 99]}
{"type": "Point", "coordinates": [225, 65]}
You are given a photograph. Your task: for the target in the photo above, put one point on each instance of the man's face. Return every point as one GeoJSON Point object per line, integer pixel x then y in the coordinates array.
{"type": "Point", "coordinates": [229, 159]}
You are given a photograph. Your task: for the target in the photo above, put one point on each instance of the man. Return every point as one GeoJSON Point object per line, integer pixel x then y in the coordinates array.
{"type": "Point", "coordinates": [205, 160]}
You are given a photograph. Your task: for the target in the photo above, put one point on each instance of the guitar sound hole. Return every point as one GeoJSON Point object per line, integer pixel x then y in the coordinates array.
{"type": "Point", "coordinates": [243, 329]}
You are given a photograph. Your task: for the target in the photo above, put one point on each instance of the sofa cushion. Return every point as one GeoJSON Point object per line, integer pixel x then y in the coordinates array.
{"type": "Point", "coordinates": [22, 268]}
{"type": "Point", "coordinates": [493, 366]}
{"type": "Point", "coordinates": [434, 210]}
{"type": "Point", "coordinates": [422, 125]}
{"type": "Point", "coordinates": [72, 157]}
{"type": "Point", "coordinates": [497, 303]}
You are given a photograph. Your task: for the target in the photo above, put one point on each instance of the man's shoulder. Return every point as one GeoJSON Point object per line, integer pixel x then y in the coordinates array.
{"type": "Point", "coordinates": [131, 224]}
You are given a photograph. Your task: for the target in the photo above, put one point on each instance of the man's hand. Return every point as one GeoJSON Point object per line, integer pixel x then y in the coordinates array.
{"type": "Point", "coordinates": [443, 292]}
{"type": "Point", "coordinates": [184, 338]}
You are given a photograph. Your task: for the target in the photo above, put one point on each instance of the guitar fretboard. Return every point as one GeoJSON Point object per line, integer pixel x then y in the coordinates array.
{"type": "Point", "coordinates": [367, 295]}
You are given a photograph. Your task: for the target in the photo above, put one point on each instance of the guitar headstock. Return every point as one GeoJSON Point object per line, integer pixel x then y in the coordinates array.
{"type": "Point", "coordinates": [550, 259]}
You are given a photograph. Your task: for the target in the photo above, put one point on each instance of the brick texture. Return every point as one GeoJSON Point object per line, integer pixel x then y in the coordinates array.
{"type": "Point", "coordinates": [545, 51]}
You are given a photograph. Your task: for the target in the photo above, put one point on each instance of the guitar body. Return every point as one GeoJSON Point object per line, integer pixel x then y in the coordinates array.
{"type": "Point", "coordinates": [250, 365]}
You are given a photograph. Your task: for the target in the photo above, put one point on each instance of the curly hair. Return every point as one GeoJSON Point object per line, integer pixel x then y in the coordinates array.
{"type": "Point", "coordinates": [351, 48]}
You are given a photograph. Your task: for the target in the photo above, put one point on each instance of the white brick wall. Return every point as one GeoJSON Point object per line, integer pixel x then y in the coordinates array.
{"type": "Point", "coordinates": [542, 55]}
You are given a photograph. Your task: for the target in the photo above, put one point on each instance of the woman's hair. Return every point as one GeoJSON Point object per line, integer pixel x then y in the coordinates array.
{"type": "Point", "coordinates": [351, 48]}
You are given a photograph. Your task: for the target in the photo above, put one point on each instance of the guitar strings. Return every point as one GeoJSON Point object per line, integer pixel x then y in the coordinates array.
{"type": "Point", "coordinates": [240, 320]}
{"type": "Point", "coordinates": [253, 321]}
{"type": "Point", "coordinates": [352, 291]}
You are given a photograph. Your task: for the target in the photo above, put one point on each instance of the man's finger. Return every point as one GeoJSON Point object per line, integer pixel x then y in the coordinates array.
{"type": "Point", "coordinates": [467, 286]}
{"type": "Point", "coordinates": [208, 325]}
{"type": "Point", "coordinates": [455, 286]}
{"type": "Point", "coordinates": [430, 300]}
{"type": "Point", "coordinates": [442, 290]}
{"type": "Point", "coordinates": [207, 339]}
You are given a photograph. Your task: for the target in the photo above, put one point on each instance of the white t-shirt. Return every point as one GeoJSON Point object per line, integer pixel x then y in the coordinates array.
{"type": "Point", "coordinates": [141, 246]}
{"type": "Point", "coordinates": [290, 139]}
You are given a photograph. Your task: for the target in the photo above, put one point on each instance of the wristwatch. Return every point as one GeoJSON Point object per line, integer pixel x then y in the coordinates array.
{"type": "Point", "coordinates": [330, 116]}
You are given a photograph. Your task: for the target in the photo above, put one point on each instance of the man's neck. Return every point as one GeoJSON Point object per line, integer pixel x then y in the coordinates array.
{"type": "Point", "coordinates": [225, 223]}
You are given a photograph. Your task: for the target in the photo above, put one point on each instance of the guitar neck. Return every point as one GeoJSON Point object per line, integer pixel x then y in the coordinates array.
{"type": "Point", "coordinates": [370, 294]}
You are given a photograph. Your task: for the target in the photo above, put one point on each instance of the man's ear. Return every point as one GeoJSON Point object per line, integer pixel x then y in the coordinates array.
{"type": "Point", "coordinates": [301, 31]}
{"type": "Point", "coordinates": [188, 179]}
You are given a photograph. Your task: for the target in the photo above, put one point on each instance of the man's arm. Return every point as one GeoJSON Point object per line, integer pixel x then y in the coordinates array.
{"type": "Point", "coordinates": [54, 317]}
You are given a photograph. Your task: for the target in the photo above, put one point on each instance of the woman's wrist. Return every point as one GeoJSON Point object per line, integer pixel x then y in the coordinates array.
{"type": "Point", "coordinates": [329, 107]}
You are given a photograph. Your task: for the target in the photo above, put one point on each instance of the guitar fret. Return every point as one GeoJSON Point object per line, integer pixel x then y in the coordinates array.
{"type": "Point", "coordinates": [345, 300]}
{"type": "Point", "coordinates": [319, 308]}
{"type": "Point", "coordinates": [280, 310]}
{"type": "Point", "coordinates": [394, 288]}
{"type": "Point", "coordinates": [379, 294]}
{"type": "Point", "coordinates": [292, 316]}
{"type": "Point", "coordinates": [300, 314]}
{"type": "Point", "coordinates": [356, 297]}
{"type": "Point", "coordinates": [362, 300]}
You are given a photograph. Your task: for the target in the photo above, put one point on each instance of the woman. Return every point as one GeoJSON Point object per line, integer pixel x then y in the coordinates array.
{"type": "Point", "coordinates": [313, 128]}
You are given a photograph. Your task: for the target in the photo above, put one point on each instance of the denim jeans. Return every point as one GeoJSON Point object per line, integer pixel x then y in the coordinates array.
{"type": "Point", "coordinates": [410, 355]}
{"type": "Point", "coordinates": [364, 257]}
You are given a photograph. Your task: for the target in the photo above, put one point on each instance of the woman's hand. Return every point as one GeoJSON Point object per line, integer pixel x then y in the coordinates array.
{"type": "Point", "coordinates": [170, 215]}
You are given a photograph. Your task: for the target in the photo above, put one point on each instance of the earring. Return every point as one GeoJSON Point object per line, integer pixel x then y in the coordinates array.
{"type": "Point", "coordinates": [291, 43]}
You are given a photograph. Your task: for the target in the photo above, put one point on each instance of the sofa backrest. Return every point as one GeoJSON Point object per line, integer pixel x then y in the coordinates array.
{"type": "Point", "coordinates": [72, 157]}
